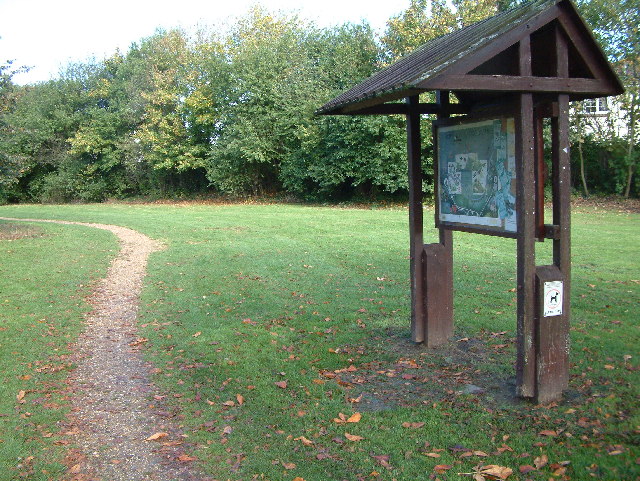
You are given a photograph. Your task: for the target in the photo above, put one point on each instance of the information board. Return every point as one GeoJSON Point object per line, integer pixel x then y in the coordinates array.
{"type": "Point", "coordinates": [476, 175]}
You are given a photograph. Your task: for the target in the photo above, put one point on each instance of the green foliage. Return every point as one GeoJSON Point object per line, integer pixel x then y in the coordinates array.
{"type": "Point", "coordinates": [10, 167]}
{"type": "Point", "coordinates": [425, 20]}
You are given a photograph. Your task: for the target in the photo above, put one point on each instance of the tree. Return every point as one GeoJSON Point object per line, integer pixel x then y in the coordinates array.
{"type": "Point", "coordinates": [425, 20]}
{"type": "Point", "coordinates": [617, 27]}
{"type": "Point", "coordinates": [44, 118]}
{"type": "Point", "coordinates": [11, 167]}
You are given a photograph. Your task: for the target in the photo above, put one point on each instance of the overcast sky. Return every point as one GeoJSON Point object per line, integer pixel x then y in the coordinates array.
{"type": "Point", "coordinates": [47, 34]}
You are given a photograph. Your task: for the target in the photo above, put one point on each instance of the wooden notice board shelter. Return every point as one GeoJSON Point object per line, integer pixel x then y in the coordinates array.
{"type": "Point", "coordinates": [495, 83]}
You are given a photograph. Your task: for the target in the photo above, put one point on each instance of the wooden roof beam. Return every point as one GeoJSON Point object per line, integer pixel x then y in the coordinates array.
{"type": "Point", "coordinates": [404, 109]}
{"type": "Point", "coordinates": [507, 83]}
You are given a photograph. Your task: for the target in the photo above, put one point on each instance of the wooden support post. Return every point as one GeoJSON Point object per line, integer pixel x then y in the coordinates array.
{"type": "Point", "coordinates": [539, 174]}
{"type": "Point", "coordinates": [525, 133]}
{"type": "Point", "coordinates": [552, 335]}
{"type": "Point", "coordinates": [561, 214]}
{"type": "Point", "coordinates": [562, 184]}
{"type": "Point", "coordinates": [415, 221]}
{"type": "Point", "coordinates": [438, 267]}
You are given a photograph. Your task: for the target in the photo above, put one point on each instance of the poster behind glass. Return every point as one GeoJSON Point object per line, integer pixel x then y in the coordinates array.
{"type": "Point", "coordinates": [477, 175]}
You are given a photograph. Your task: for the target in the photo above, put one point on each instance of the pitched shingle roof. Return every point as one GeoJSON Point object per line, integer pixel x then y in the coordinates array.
{"type": "Point", "coordinates": [403, 77]}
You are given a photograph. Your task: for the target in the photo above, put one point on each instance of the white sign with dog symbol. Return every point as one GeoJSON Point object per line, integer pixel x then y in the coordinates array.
{"type": "Point", "coordinates": [553, 298]}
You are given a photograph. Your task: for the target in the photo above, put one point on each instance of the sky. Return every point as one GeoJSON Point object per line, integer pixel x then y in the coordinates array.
{"type": "Point", "coordinates": [47, 35]}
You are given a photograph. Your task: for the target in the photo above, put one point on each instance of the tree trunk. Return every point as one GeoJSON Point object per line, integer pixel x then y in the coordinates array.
{"type": "Point", "coordinates": [579, 126]}
{"type": "Point", "coordinates": [632, 137]}
{"type": "Point", "coordinates": [582, 176]}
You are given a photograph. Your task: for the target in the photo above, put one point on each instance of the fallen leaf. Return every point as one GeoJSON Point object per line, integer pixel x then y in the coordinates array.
{"type": "Point", "coordinates": [281, 384]}
{"type": "Point", "coordinates": [298, 478]}
{"type": "Point", "coordinates": [526, 468]}
{"type": "Point", "coordinates": [353, 437]}
{"type": "Point", "coordinates": [240, 399]}
{"type": "Point", "coordinates": [227, 430]}
{"type": "Point", "coordinates": [354, 418]}
{"type": "Point", "coordinates": [441, 468]}
{"type": "Point", "coordinates": [355, 400]}
{"type": "Point", "coordinates": [157, 436]}
{"type": "Point", "coordinates": [432, 455]}
{"type": "Point", "coordinates": [185, 458]}
{"type": "Point", "coordinates": [496, 471]}
{"type": "Point", "coordinates": [229, 403]}
{"type": "Point", "coordinates": [548, 432]}
{"type": "Point", "coordinates": [305, 441]}
{"type": "Point", "coordinates": [289, 465]}
{"type": "Point", "coordinates": [541, 461]}
{"type": "Point", "coordinates": [197, 334]}
{"type": "Point", "coordinates": [75, 469]}
{"type": "Point", "coordinates": [383, 460]}
{"type": "Point", "coordinates": [20, 396]}
{"type": "Point", "coordinates": [412, 425]}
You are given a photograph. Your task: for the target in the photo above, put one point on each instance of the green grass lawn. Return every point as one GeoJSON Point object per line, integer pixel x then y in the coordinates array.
{"type": "Point", "coordinates": [271, 326]}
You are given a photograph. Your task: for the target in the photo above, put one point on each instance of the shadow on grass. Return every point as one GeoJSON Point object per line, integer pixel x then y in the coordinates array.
{"type": "Point", "coordinates": [473, 370]}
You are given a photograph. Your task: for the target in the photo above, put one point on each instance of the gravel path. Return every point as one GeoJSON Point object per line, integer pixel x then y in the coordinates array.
{"type": "Point", "coordinates": [111, 388]}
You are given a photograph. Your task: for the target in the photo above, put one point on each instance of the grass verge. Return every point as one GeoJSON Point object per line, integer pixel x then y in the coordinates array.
{"type": "Point", "coordinates": [46, 272]}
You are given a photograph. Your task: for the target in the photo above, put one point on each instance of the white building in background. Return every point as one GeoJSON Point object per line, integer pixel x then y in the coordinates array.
{"type": "Point", "coordinates": [602, 117]}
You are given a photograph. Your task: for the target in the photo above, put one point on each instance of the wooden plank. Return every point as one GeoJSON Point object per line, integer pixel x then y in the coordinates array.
{"type": "Point", "coordinates": [524, 83]}
{"type": "Point", "coordinates": [439, 289]}
{"type": "Point", "coordinates": [503, 42]}
{"type": "Point", "coordinates": [595, 59]}
{"type": "Point", "coordinates": [552, 339]}
{"type": "Point", "coordinates": [415, 221]}
{"type": "Point", "coordinates": [539, 175]}
{"type": "Point", "coordinates": [373, 100]}
{"type": "Point", "coordinates": [403, 109]}
{"type": "Point", "coordinates": [525, 362]}
{"type": "Point", "coordinates": [562, 180]}
{"type": "Point", "coordinates": [438, 269]}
